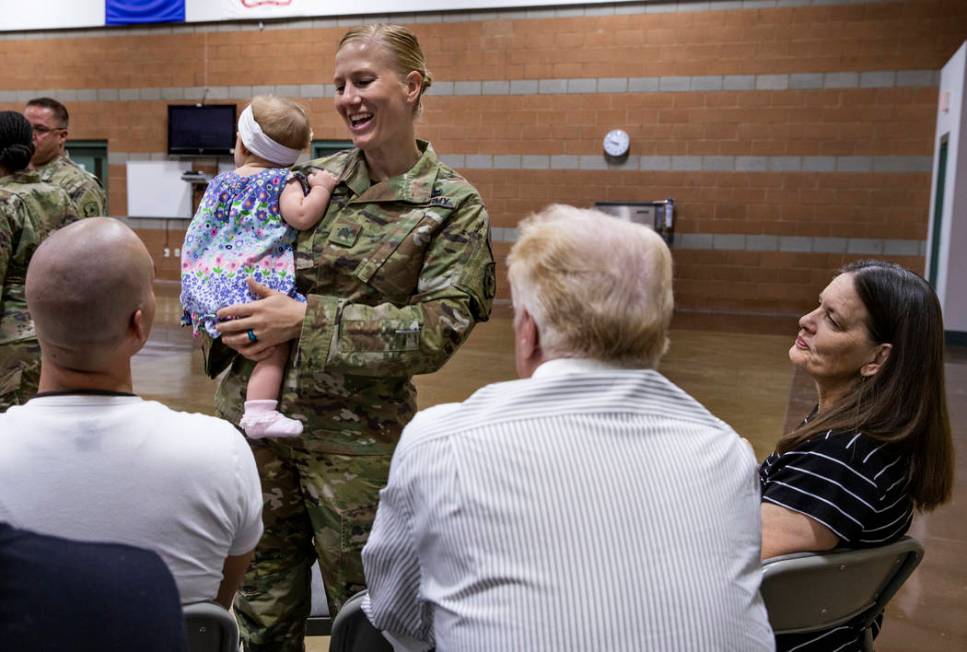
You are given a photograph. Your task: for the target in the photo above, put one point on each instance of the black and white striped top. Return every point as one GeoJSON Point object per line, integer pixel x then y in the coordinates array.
{"type": "Point", "coordinates": [855, 486]}
{"type": "Point", "coordinates": [586, 508]}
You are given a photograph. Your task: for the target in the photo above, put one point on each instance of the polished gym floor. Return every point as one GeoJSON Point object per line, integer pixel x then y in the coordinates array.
{"type": "Point", "coordinates": [736, 366]}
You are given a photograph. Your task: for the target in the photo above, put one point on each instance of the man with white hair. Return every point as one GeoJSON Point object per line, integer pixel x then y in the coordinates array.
{"type": "Point", "coordinates": [591, 505]}
{"type": "Point", "coordinates": [87, 459]}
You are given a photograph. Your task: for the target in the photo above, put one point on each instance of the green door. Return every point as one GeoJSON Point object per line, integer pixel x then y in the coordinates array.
{"type": "Point", "coordinates": [938, 214]}
{"type": "Point", "coordinates": [92, 156]}
{"type": "Point", "coordinates": [322, 148]}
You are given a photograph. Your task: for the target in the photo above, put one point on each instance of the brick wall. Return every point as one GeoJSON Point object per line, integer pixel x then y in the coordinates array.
{"type": "Point", "coordinates": [793, 135]}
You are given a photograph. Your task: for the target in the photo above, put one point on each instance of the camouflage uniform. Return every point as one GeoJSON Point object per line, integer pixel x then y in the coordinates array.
{"type": "Point", "coordinates": [84, 188]}
{"type": "Point", "coordinates": [29, 211]}
{"type": "Point", "coordinates": [396, 274]}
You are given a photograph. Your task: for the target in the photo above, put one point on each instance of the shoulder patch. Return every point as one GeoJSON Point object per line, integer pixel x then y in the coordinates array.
{"type": "Point", "coordinates": [490, 281]}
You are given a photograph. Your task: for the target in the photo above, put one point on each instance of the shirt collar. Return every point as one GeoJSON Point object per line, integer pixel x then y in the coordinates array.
{"type": "Point", "coordinates": [563, 366]}
{"type": "Point", "coordinates": [26, 176]}
{"type": "Point", "coordinates": [82, 392]}
{"type": "Point", "coordinates": [413, 186]}
{"type": "Point", "coordinates": [53, 163]}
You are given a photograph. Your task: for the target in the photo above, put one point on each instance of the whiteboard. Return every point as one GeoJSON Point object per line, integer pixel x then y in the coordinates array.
{"type": "Point", "coordinates": [155, 189]}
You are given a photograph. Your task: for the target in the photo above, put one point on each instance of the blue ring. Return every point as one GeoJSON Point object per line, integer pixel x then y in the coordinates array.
{"type": "Point", "coordinates": [251, 336]}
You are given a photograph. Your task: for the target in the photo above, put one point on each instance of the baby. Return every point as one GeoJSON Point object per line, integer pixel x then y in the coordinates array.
{"type": "Point", "coordinates": [245, 227]}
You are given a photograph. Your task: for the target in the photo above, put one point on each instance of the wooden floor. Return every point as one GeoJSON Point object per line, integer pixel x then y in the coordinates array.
{"type": "Point", "coordinates": [737, 367]}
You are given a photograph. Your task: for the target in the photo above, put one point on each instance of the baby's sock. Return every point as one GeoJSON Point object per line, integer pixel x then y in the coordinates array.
{"type": "Point", "coordinates": [261, 419]}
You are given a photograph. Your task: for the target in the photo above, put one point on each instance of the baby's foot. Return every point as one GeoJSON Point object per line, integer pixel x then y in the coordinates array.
{"type": "Point", "coordinates": [269, 423]}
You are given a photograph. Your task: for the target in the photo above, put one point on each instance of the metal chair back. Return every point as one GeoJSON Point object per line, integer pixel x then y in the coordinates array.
{"type": "Point", "coordinates": [210, 628]}
{"type": "Point", "coordinates": [352, 631]}
{"type": "Point", "coordinates": [807, 592]}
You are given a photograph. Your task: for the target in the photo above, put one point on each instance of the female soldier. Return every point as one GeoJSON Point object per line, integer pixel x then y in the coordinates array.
{"type": "Point", "coordinates": [29, 211]}
{"type": "Point", "coordinates": [396, 275]}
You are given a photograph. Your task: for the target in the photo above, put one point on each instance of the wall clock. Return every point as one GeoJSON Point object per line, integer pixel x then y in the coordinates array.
{"type": "Point", "coordinates": [616, 144]}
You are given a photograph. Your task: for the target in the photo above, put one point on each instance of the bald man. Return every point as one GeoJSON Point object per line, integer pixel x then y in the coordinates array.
{"type": "Point", "coordinates": [87, 459]}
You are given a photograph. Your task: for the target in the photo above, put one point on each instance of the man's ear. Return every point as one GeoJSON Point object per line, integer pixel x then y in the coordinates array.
{"type": "Point", "coordinates": [880, 355]}
{"type": "Point", "coordinates": [528, 353]}
{"type": "Point", "coordinates": [530, 337]}
{"type": "Point", "coordinates": [138, 328]}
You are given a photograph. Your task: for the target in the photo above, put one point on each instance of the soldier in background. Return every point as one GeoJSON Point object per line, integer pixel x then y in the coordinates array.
{"type": "Point", "coordinates": [29, 211]}
{"type": "Point", "coordinates": [49, 120]}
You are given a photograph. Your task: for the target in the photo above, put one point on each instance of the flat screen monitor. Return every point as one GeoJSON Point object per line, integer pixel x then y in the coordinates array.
{"type": "Point", "coordinates": [207, 130]}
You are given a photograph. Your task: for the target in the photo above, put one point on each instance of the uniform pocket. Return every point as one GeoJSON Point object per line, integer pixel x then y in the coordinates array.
{"type": "Point", "coordinates": [394, 267]}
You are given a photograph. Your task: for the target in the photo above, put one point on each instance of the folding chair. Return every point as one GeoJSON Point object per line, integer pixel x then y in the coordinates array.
{"type": "Point", "coordinates": [352, 631]}
{"type": "Point", "coordinates": [210, 628]}
{"type": "Point", "coordinates": [808, 592]}
{"type": "Point", "coordinates": [319, 622]}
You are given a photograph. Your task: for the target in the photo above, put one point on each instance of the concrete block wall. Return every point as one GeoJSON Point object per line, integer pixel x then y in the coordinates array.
{"type": "Point", "coordinates": [794, 135]}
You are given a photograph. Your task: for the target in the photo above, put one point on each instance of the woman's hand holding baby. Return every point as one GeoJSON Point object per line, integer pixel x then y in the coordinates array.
{"type": "Point", "coordinates": [273, 319]}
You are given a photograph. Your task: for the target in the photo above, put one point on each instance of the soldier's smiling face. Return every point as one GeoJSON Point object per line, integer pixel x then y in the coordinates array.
{"type": "Point", "coordinates": [375, 101]}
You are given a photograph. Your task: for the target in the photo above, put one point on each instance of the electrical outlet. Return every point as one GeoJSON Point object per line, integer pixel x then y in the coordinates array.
{"type": "Point", "coordinates": [177, 252]}
{"type": "Point", "coordinates": [167, 252]}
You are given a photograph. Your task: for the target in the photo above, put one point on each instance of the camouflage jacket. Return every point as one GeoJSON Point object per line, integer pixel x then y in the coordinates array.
{"type": "Point", "coordinates": [84, 188]}
{"type": "Point", "coordinates": [29, 211]}
{"type": "Point", "coordinates": [396, 275]}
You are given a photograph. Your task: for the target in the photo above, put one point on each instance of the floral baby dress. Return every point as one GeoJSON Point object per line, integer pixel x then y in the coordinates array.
{"type": "Point", "coordinates": [237, 233]}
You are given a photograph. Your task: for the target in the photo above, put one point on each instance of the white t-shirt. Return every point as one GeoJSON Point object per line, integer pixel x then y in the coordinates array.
{"type": "Point", "coordinates": [122, 469]}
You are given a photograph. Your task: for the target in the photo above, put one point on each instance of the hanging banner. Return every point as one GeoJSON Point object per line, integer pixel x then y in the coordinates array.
{"type": "Point", "coordinates": [24, 15]}
{"type": "Point", "coordinates": [216, 10]}
{"type": "Point", "coordinates": [18, 15]}
{"type": "Point", "coordinates": [139, 12]}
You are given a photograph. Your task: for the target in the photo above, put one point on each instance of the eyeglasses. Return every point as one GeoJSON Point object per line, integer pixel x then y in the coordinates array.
{"type": "Point", "coordinates": [41, 130]}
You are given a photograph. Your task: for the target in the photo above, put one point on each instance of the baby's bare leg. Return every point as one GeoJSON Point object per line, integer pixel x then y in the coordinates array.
{"type": "Point", "coordinates": [265, 382]}
{"type": "Point", "coordinates": [261, 419]}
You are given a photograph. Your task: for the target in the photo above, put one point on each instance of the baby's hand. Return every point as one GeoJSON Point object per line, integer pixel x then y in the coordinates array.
{"type": "Point", "coordinates": [323, 178]}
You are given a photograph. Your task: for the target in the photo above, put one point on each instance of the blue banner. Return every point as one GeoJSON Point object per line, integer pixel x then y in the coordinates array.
{"type": "Point", "coordinates": [138, 12]}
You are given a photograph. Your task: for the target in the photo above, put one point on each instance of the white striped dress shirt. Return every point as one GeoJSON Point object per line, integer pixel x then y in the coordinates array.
{"type": "Point", "coordinates": [586, 508]}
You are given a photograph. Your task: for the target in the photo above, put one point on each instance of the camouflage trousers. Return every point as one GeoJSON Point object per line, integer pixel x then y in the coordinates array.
{"type": "Point", "coordinates": [19, 372]}
{"type": "Point", "coordinates": [317, 506]}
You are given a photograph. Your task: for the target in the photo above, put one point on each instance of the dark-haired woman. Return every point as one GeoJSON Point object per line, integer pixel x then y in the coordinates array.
{"type": "Point", "coordinates": [29, 210]}
{"type": "Point", "coordinates": [877, 447]}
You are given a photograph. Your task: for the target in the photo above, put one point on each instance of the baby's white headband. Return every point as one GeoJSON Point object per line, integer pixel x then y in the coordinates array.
{"type": "Point", "coordinates": [261, 145]}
